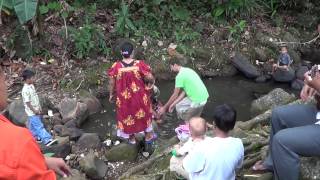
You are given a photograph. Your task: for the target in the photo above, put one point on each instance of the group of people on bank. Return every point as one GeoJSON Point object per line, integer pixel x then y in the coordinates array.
{"type": "Point", "coordinates": [294, 128]}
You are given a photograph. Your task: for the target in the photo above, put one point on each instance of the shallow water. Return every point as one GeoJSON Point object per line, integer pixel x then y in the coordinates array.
{"type": "Point", "coordinates": [236, 91]}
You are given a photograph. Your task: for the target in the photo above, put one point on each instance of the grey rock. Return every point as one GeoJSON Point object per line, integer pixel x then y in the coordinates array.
{"type": "Point", "coordinates": [72, 109]}
{"type": "Point", "coordinates": [92, 166]}
{"type": "Point", "coordinates": [261, 54]}
{"type": "Point", "coordinates": [61, 150]}
{"type": "Point", "coordinates": [274, 98]}
{"type": "Point", "coordinates": [297, 84]}
{"type": "Point", "coordinates": [261, 79]}
{"type": "Point", "coordinates": [17, 113]}
{"type": "Point", "coordinates": [243, 65]}
{"type": "Point", "coordinates": [122, 152]}
{"type": "Point", "coordinates": [283, 75]}
{"type": "Point", "coordinates": [76, 175]}
{"type": "Point", "coordinates": [301, 71]}
{"type": "Point", "coordinates": [88, 141]}
{"type": "Point", "coordinates": [75, 133]}
{"type": "Point", "coordinates": [228, 70]}
{"type": "Point", "coordinates": [93, 104]}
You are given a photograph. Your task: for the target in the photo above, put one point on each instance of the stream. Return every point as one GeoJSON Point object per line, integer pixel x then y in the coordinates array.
{"type": "Point", "coordinates": [236, 91]}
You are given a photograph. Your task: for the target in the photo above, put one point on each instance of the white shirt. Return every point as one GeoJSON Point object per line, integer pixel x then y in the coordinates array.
{"type": "Point", "coordinates": [29, 94]}
{"type": "Point", "coordinates": [215, 159]}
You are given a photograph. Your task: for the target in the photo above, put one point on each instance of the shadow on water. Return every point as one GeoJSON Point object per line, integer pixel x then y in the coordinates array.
{"type": "Point", "coordinates": [237, 91]}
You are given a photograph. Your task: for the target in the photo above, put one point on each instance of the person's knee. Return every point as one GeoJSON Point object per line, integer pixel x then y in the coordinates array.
{"type": "Point", "coordinates": [282, 138]}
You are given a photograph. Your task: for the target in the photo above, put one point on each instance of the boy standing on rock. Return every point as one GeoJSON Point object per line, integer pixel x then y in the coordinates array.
{"type": "Point", "coordinates": [33, 110]}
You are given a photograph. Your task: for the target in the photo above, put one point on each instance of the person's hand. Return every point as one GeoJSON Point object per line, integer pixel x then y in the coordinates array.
{"type": "Point", "coordinates": [307, 92]}
{"type": "Point", "coordinates": [171, 108]}
{"type": "Point", "coordinates": [58, 165]}
{"type": "Point", "coordinates": [37, 112]}
{"type": "Point", "coordinates": [161, 111]}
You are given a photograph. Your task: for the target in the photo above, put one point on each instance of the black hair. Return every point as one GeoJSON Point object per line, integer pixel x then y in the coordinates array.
{"type": "Point", "coordinates": [126, 49]}
{"type": "Point", "coordinates": [224, 117]}
{"type": "Point", "coordinates": [27, 74]}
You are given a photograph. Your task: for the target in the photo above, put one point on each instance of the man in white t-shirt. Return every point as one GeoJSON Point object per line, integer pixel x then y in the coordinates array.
{"type": "Point", "coordinates": [216, 158]}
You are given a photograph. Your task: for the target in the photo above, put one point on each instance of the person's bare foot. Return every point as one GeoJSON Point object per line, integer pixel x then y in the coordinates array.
{"type": "Point", "coordinates": [258, 167]}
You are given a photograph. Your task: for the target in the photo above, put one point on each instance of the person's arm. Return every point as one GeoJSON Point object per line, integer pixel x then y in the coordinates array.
{"type": "Point", "coordinates": [173, 97]}
{"type": "Point", "coordinates": [111, 88]}
{"type": "Point", "coordinates": [32, 164]}
{"type": "Point", "coordinates": [58, 165]}
{"type": "Point", "coordinates": [176, 101]}
{"type": "Point", "coordinates": [313, 83]}
{"type": "Point", "coordinates": [37, 112]}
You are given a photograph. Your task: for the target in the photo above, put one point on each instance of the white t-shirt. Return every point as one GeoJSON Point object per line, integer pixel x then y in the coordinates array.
{"type": "Point", "coordinates": [215, 159]}
{"type": "Point", "coordinates": [29, 94]}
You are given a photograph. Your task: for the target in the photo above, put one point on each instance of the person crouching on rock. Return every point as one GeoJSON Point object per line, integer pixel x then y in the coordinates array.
{"type": "Point", "coordinates": [33, 109]}
{"type": "Point", "coordinates": [21, 156]}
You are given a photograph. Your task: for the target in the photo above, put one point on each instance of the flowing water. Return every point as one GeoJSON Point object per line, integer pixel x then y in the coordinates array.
{"type": "Point", "coordinates": [236, 91]}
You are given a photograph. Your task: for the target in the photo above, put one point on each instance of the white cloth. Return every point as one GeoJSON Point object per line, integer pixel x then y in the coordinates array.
{"type": "Point", "coordinates": [215, 158]}
{"type": "Point", "coordinates": [29, 94]}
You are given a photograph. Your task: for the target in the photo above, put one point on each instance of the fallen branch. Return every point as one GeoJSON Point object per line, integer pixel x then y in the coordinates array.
{"type": "Point", "coordinates": [303, 43]}
{"type": "Point", "coordinates": [263, 118]}
{"type": "Point", "coordinates": [79, 85]}
{"type": "Point", "coordinates": [145, 164]}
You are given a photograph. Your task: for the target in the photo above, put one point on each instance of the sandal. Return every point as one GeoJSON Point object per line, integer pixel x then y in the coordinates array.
{"type": "Point", "coordinates": [258, 167]}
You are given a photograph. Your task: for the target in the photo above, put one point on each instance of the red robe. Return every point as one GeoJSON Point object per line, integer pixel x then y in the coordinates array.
{"type": "Point", "coordinates": [133, 102]}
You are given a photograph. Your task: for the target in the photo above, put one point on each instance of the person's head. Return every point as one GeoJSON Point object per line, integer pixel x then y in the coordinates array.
{"type": "Point", "coordinates": [126, 49]}
{"type": "Point", "coordinates": [197, 126]}
{"type": "Point", "coordinates": [3, 91]}
{"type": "Point", "coordinates": [224, 117]}
{"type": "Point", "coordinates": [283, 49]}
{"type": "Point", "coordinates": [28, 76]}
{"type": "Point", "coordinates": [175, 65]}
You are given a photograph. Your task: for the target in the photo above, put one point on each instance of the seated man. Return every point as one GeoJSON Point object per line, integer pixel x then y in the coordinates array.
{"type": "Point", "coordinates": [295, 131]}
{"type": "Point", "coordinates": [20, 156]}
{"type": "Point", "coordinates": [218, 157]}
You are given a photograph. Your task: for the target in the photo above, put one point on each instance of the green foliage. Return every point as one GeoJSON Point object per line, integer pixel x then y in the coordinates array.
{"type": "Point", "coordinates": [51, 6]}
{"type": "Point", "coordinates": [234, 8]}
{"type": "Point", "coordinates": [24, 9]}
{"type": "Point", "coordinates": [236, 30]}
{"type": "Point", "coordinates": [88, 39]}
{"type": "Point", "coordinates": [124, 24]}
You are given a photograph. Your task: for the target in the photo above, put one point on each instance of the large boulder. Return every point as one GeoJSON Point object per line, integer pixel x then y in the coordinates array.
{"type": "Point", "coordinates": [16, 113]}
{"type": "Point", "coordinates": [242, 63]}
{"type": "Point", "coordinates": [274, 98]}
{"type": "Point", "coordinates": [76, 175]}
{"type": "Point", "coordinates": [122, 152]}
{"type": "Point", "coordinates": [93, 104]}
{"type": "Point", "coordinates": [283, 75]}
{"type": "Point", "coordinates": [92, 166]}
{"type": "Point", "coordinates": [61, 150]}
{"type": "Point", "coordinates": [88, 141]}
{"type": "Point", "coordinates": [71, 109]}
{"type": "Point", "coordinates": [301, 71]}
{"type": "Point", "coordinates": [297, 84]}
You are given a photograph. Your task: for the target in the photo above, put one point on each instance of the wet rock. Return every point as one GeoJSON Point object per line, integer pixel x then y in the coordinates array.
{"type": "Point", "coordinates": [297, 84]}
{"type": "Point", "coordinates": [76, 175]}
{"type": "Point", "coordinates": [243, 65]}
{"type": "Point", "coordinates": [310, 167]}
{"type": "Point", "coordinates": [228, 71]}
{"type": "Point", "coordinates": [122, 152]}
{"type": "Point", "coordinates": [56, 119]}
{"type": "Point", "coordinates": [16, 113]}
{"type": "Point", "coordinates": [62, 149]}
{"type": "Point", "coordinates": [71, 124]}
{"type": "Point", "coordinates": [89, 141]}
{"type": "Point", "coordinates": [301, 71]}
{"type": "Point", "coordinates": [261, 79]}
{"type": "Point", "coordinates": [75, 133]}
{"type": "Point", "coordinates": [61, 130]}
{"type": "Point", "coordinates": [93, 104]}
{"type": "Point", "coordinates": [283, 75]}
{"type": "Point", "coordinates": [72, 109]}
{"type": "Point", "coordinates": [274, 98]}
{"type": "Point", "coordinates": [92, 166]}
